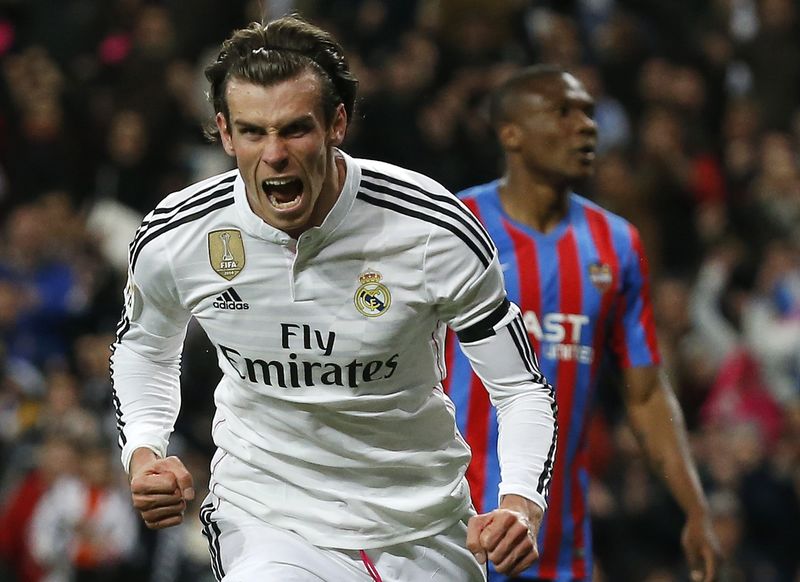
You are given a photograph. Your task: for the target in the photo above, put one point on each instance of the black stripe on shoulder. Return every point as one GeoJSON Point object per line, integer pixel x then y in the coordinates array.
{"type": "Point", "coordinates": [177, 207]}
{"type": "Point", "coordinates": [180, 205]}
{"type": "Point", "coordinates": [461, 214]}
{"type": "Point", "coordinates": [485, 327]}
{"type": "Point", "coordinates": [486, 261]}
{"type": "Point", "coordinates": [176, 222]}
{"type": "Point", "coordinates": [186, 205]}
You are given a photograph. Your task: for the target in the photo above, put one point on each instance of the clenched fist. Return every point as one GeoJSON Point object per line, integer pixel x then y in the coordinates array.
{"type": "Point", "coordinates": [507, 535]}
{"type": "Point", "coordinates": [160, 488]}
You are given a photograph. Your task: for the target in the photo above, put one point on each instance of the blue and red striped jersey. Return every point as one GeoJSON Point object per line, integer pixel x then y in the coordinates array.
{"type": "Point", "coordinates": [583, 290]}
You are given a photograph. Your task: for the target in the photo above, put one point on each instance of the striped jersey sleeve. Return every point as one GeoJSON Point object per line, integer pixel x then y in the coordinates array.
{"type": "Point", "coordinates": [145, 357]}
{"type": "Point", "coordinates": [633, 334]}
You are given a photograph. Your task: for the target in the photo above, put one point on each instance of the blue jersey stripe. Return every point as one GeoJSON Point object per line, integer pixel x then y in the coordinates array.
{"type": "Point", "coordinates": [636, 335]}
{"type": "Point", "coordinates": [460, 374]}
{"type": "Point", "coordinates": [492, 475]}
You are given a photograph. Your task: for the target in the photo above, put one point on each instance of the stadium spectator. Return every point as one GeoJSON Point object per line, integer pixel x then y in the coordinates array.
{"type": "Point", "coordinates": [83, 528]}
{"type": "Point", "coordinates": [55, 459]}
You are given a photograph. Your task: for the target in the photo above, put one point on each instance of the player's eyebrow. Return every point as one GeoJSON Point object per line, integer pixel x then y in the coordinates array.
{"type": "Point", "coordinates": [302, 122]}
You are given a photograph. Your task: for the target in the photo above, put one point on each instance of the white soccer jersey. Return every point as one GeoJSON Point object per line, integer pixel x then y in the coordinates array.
{"type": "Point", "coordinates": [331, 421]}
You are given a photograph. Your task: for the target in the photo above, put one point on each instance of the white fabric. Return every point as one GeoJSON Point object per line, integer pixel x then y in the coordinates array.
{"type": "Point", "coordinates": [523, 411]}
{"type": "Point", "coordinates": [249, 550]}
{"type": "Point", "coordinates": [329, 423]}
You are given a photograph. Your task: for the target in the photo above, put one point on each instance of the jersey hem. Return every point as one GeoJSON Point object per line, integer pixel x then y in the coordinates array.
{"type": "Point", "coordinates": [367, 541]}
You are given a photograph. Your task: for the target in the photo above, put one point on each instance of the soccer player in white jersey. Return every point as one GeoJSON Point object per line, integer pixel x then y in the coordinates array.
{"type": "Point", "coordinates": [325, 284]}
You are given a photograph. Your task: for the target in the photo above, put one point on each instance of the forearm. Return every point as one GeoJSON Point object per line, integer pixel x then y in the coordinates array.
{"type": "Point", "coordinates": [658, 424]}
{"type": "Point", "coordinates": [147, 399]}
{"type": "Point", "coordinates": [526, 446]}
{"type": "Point", "coordinates": [504, 361]}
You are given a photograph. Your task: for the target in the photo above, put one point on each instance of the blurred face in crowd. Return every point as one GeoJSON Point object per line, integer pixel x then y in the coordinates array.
{"type": "Point", "coordinates": [57, 457]}
{"type": "Point", "coordinates": [284, 149]}
{"type": "Point", "coordinates": [552, 129]}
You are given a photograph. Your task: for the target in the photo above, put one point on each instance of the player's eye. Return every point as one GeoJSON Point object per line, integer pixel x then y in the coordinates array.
{"type": "Point", "coordinates": [298, 129]}
{"type": "Point", "coordinates": [250, 130]}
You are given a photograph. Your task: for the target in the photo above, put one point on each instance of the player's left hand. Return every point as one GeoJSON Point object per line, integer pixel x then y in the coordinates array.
{"type": "Point", "coordinates": [701, 548]}
{"type": "Point", "coordinates": [507, 535]}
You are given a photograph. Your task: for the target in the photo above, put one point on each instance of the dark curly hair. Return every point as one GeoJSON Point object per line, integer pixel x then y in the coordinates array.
{"type": "Point", "coordinates": [276, 51]}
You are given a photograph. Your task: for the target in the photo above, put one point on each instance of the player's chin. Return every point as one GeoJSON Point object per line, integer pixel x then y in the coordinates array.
{"type": "Point", "coordinates": [583, 172]}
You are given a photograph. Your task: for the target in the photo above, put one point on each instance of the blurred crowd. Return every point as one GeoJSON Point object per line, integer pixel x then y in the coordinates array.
{"type": "Point", "coordinates": [102, 104]}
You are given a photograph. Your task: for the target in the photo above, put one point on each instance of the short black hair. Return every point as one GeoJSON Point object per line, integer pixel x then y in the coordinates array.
{"type": "Point", "coordinates": [502, 99]}
{"type": "Point", "coordinates": [279, 50]}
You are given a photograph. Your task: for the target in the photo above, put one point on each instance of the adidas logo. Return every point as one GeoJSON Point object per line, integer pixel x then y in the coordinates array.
{"type": "Point", "coordinates": [230, 300]}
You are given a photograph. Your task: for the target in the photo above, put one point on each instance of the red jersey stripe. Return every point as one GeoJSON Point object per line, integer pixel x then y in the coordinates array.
{"type": "Point", "coordinates": [478, 428]}
{"type": "Point", "coordinates": [601, 234]}
{"type": "Point", "coordinates": [570, 302]}
{"type": "Point", "coordinates": [530, 295]}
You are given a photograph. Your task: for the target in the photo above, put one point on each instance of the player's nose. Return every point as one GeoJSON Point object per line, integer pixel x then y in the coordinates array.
{"type": "Point", "coordinates": [275, 153]}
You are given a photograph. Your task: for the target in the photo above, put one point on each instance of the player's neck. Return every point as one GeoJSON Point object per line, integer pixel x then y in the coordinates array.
{"type": "Point", "coordinates": [537, 204]}
{"type": "Point", "coordinates": [331, 189]}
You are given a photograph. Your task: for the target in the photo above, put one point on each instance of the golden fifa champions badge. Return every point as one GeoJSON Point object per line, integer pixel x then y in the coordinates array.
{"type": "Point", "coordinates": [372, 297]}
{"type": "Point", "coordinates": [226, 252]}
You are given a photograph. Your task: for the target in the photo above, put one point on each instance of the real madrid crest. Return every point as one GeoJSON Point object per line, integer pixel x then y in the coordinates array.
{"type": "Point", "coordinates": [600, 276]}
{"type": "Point", "coordinates": [372, 297]}
{"type": "Point", "coordinates": [226, 252]}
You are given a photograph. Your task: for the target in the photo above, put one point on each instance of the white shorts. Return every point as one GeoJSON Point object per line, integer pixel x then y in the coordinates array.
{"type": "Point", "coordinates": [245, 549]}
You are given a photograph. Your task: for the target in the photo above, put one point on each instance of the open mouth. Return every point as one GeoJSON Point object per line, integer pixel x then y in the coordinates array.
{"type": "Point", "coordinates": [587, 154]}
{"type": "Point", "coordinates": [283, 193]}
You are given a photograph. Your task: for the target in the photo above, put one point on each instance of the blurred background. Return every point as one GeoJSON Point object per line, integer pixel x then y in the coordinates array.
{"type": "Point", "coordinates": [698, 106]}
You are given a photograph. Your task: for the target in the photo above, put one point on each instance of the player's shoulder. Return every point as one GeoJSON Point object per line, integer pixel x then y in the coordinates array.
{"type": "Point", "coordinates": [212, 187]}
{"type": "Point", "coordinates": [479, 191]}
{"type": "Point", "coordinates": [615, 222]}
{"type": "Point", "coordinates": [375, 172]}
{"type": "Point", "coordinates": [180, 214]}
{"type": "Point", "coordinates": [425, 205]}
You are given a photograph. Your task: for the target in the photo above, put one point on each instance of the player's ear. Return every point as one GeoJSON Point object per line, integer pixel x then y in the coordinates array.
{"type": "Point", "coordinates": [338, 127]}
{"type": "Point", "coordinates": [510, 136]}
{"type": "Point", "coordinates": [224, 134]}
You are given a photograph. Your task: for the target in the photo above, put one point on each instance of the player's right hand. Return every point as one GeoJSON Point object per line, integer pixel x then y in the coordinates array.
{"type": "Point", "coordinates": [507, 535]}
{"type": "Point", "coordinates": [160, 489]}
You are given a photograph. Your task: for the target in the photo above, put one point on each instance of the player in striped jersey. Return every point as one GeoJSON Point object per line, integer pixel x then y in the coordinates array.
{"type": "Point", "coordinates": [579, 275]}
{"type": "Point", "coordinates": [326, 284]}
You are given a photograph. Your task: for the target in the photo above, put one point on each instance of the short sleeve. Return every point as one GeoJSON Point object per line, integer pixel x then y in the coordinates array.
{"type": "Point", "coordinates": [634, 332]}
